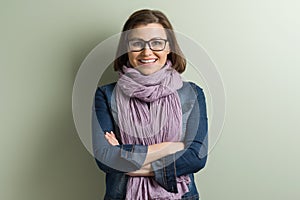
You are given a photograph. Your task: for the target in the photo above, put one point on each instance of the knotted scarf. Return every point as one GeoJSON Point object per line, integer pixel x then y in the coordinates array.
{"type": "Point", "coordinates": [149, 112]}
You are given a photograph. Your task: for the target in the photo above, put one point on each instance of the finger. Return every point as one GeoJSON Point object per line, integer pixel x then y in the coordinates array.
{"type": "Point", "coordinates": [112, 134]}
{"type": "Point", "coordinates": [107, 137]}
{"type": "Point", "coordinates": [111, 142]}
{"type": "Point", "coordinates": [108, 134]}
{"type": "Point", "coordinates": [115, 140]}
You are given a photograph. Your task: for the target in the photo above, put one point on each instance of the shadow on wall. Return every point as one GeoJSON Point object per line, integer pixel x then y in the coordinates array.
{"type": "Point", "coordinates": [61, 167]}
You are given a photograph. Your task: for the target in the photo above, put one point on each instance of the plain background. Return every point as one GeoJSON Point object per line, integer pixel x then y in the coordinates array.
{"type": "Point", "coordinates": [255, 45]}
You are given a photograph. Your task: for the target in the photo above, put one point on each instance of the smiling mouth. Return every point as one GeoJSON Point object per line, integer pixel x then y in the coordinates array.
{"type": "Point", "coordinates": [143, 61]}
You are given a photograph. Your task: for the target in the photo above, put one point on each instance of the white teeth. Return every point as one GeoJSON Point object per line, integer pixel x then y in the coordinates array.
{"type": "Point", "coordinates": [148, 61]}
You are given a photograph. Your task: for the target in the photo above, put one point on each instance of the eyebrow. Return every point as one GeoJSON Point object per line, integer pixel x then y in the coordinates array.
{"type": "Point", "coordinates": [136, 38]}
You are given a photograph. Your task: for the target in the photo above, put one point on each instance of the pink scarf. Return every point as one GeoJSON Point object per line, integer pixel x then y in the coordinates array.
{"type": "Point", "coordinates": [149, 112]}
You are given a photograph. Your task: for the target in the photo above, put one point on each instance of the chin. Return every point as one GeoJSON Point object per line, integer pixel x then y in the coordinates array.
{"type": "Point", "coordinates": [147, 72]}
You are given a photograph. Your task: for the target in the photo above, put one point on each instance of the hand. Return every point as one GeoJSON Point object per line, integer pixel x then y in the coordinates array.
{"type": "Point", "coordinates": [157, 151]}
{"type": "Point", "coordinates": [146, 170]}
{"type": "Point", "coordinates": [111, 138]}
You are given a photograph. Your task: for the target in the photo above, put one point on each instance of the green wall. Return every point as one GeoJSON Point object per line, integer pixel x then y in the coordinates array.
{"type": "Point", "coordinates": [255, 45]}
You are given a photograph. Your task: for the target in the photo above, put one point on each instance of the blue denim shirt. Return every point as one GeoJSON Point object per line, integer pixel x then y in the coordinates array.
{"type": "Point", "coordinates": [115, 161]}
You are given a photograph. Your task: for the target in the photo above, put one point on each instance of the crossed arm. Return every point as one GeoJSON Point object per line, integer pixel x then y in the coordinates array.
{"type": "Point", "coordinates": [155, 152]}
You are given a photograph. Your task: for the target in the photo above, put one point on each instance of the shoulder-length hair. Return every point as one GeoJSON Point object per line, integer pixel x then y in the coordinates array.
{"type": "Point", "coordinates": [144, 17]}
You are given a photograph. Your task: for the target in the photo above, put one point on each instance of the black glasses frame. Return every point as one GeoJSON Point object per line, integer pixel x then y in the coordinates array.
{"type": "Point", "coordinates": [147, 42]}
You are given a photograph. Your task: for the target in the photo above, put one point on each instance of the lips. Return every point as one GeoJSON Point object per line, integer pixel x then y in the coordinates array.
{"type": "Point", "coordinates": [147, 61]}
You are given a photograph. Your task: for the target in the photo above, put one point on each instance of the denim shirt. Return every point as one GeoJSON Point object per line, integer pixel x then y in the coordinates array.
{"type": "Point", "coordinates": [117, 160]}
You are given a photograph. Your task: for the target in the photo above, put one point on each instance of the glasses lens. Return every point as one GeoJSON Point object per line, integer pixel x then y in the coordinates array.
{"type": "Point", "coordinates": [136, 45]}
{"type": "Point", "coordinates": [157, 45]}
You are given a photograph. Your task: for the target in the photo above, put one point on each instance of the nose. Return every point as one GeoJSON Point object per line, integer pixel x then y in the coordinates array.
{"type": "Point", "coordinates": [147, 51]}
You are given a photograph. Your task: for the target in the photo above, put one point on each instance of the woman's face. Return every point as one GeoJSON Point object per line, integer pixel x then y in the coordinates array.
{"type": "Point", "coordinates": [146, 60]}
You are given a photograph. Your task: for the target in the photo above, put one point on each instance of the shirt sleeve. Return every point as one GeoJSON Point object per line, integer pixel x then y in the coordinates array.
{"type": "Point", "coordinates": [110, 159]}
{"type": "Point", "coordinates": [193, 157]}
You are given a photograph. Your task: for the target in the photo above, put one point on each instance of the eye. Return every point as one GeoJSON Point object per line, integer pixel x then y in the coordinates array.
{"type": "Point", "coordinates": [137, 43]}
{"type": "Point", "coordinates": [157, 42]}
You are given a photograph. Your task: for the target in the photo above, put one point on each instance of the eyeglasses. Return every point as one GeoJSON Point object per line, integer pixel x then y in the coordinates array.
{"type": "Point", "coordinates": [136, 45]}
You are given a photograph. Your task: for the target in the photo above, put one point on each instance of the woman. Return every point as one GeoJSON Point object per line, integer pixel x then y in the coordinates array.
{"type": "Point", "coordinates": [153, 126]}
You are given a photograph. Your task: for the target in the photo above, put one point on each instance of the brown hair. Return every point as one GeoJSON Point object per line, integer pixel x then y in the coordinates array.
{"type": "Point", "coordinates": [144, 17]}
